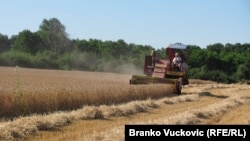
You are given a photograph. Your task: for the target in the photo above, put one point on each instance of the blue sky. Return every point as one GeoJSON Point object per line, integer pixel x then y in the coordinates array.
{"type": "Point", "coordinates": [147, 22]}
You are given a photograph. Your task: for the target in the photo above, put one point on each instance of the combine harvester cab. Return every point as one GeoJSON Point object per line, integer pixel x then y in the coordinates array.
{"type": "Point", "coordinates": [164, 70]}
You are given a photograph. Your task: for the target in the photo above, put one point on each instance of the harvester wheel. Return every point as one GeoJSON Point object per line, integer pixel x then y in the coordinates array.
{"type": "Point", "coordinates": [178, 86]}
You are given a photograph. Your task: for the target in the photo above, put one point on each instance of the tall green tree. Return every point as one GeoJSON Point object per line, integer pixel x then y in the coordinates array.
{"type": "Point", "coordinates": [26, 41]}
{"type": "Point", "coordinates": [54, 35]}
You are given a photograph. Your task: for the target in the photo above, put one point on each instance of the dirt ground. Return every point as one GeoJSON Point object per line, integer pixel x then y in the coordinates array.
{"type": "Point", "coordinates": [213, 104]}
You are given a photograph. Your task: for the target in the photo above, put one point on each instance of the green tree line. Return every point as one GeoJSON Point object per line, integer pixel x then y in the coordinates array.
{"type": "Point", "coordinates": [51, 48]}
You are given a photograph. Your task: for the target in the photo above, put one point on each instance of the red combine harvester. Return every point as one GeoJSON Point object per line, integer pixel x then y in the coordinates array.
{"type": "Point", "coordinates": [171, 70]}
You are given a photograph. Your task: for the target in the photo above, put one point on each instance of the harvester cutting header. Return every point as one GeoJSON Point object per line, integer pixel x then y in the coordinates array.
{"type": "Point", "coordinates": [170, 70]}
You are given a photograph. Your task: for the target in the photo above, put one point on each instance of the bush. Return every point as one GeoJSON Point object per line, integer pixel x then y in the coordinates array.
{"type": "Point", "coordinates": [13, 58]}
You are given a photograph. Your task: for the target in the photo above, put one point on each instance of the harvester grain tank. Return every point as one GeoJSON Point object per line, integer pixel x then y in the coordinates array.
{"type": "Point", "coordinates": [165, 70]}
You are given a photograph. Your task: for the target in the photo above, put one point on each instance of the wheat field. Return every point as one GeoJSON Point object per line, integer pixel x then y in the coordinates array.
{"type": "Point", "coordinates": [27, 91]}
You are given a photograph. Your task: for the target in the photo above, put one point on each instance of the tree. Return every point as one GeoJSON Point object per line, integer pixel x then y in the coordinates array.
{"type": "Point", "coordinates": [197, 58]}
{"type": "Point", "coordinates": [217, 47]}
{"type": "Point", "coordinates": [54, 35]}
{"type": "Point", "coordinates": [243, 72]}
{"type": "Point", "coordinates": [26, 41]}
{"type": "Point", "coordinates": [4, 43]}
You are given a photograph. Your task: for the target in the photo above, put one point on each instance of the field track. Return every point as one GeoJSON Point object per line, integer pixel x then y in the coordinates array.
{"type": "Point", "coordinates": [212, 106]}
{"type": "Point", "coordinates": [202, 102]}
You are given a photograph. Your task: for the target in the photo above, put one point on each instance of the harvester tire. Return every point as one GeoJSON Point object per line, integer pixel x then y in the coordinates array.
{"type": "Point", "coordinates": [178, 86]}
